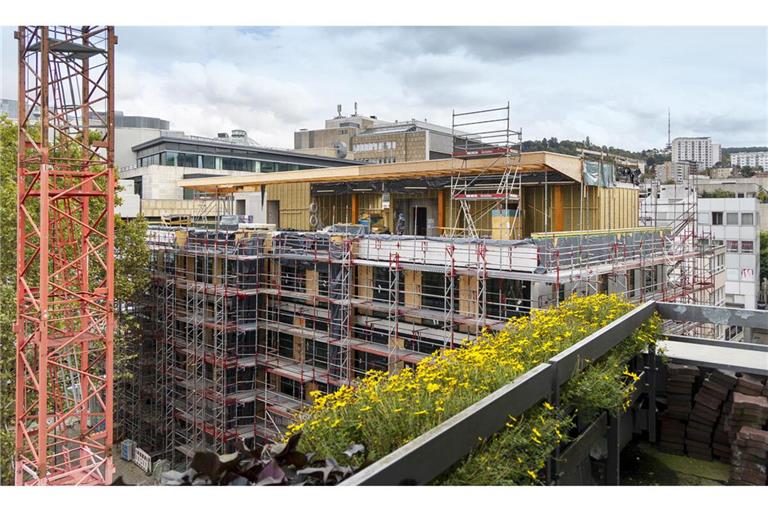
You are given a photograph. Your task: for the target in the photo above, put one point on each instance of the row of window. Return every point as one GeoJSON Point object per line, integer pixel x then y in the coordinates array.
{"type": "Point", "coordinates": [747, 246]}
{"type": "Point", "coordinates": [732, 219]}
{"type": "Point", "coordinates": [386, 160]}
{"type": "Point", "coordinates": [374, 146]}
{"type": "Point", "coordinates": [199, 161]}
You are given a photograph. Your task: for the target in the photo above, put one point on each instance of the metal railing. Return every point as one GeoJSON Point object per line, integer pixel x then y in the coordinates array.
{"type": "Point", "coordinates": [435, 451]}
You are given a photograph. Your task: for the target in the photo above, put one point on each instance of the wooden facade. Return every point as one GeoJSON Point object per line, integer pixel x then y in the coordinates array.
{"type": "Point", "coordinates": [564, 208]}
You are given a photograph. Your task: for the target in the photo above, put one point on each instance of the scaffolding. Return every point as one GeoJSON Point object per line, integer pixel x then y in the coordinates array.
{"type": "Point", "coordinates": [689, 280]}
{"type": "Point", "coordinates": [248, 323]}
{"type": "Point", "coordinates": [483, 133]}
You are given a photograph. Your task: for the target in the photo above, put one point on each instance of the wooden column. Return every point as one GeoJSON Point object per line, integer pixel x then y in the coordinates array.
{"type": "Point", "coordinates": [441, 210]}
{"type": "Point", "coordinates": [298, 341]}
{"type": "Point", "coordinates": [412, 292]}
{"type": "Point", "coordinates": [557, 209]}
{"type": "Point", "coordinates": [355, 209]}
{"type": "Point", "coordinates": [312, 282]}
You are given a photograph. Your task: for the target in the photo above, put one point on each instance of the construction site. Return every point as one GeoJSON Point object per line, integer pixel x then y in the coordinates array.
{"type": "Point", "coordinates": [245, 321]}
{"type": "Point", "coordinates": [358, 268]}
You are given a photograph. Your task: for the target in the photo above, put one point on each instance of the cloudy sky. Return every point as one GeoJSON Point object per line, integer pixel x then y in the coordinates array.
{"type": "Point", "coordinates": [611, 84]}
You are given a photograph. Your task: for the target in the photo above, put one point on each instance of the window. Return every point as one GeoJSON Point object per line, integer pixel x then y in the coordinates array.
{"type": "Point", "coordinates": [732, 219]}
{"type": "Point", "coordinates": [209, 162]}
{"type": "Point", "coordinates": [747, 219]}
{"type": "Point", "coordinates": [237, 164]}
{"type": "Point", "coordinates": [186, 160]}
{"type": "Point", "coordinates": [732, 246]}
{"type": "Point", "coordinates": [717, 218]}
{"type": "Point", "coordinates": [169, 158]}
{"type": "Point", "coordinates": [747, 246]}
{"type": "Point", "coordinates": [137, 187]}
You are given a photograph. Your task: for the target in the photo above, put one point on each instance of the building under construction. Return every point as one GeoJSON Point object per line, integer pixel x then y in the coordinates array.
{"type": "Point", "coordinates": [376, 267]}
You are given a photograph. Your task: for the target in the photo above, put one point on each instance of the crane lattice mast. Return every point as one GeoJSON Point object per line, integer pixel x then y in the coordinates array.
{"type": "Point", "coordinates": [65, 255]}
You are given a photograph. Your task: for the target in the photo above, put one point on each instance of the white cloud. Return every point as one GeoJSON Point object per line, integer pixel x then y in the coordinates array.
{"type": "Point", "coordinates": [611, 84]}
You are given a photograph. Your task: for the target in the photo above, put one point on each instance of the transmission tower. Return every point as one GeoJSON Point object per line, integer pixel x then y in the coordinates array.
{"type": "Point", "coordinates": [65, 256]}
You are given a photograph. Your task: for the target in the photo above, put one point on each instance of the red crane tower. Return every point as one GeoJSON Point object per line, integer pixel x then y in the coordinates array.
{"type": "Point", "coordinates": [65, 256]}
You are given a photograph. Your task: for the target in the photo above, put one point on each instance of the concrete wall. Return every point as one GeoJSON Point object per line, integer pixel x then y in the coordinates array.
{"type": "Point", "coordinates": [763, 211]}
{"type": "Point", "coordinates": [130, 202]}
{"type": "Point", "coordinates": [162, 195]}
{"type": "Point", "coordinates": [125, 139]}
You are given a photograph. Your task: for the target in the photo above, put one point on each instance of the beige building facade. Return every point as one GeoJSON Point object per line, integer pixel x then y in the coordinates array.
{"type": "Point", "coordinates": [371, 140]}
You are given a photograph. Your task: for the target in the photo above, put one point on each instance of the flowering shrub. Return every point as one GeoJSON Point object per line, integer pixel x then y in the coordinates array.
{"type": "Point", "coordinates": [517, 454]}
{"type": "Point", "coordinates": [383, 412]}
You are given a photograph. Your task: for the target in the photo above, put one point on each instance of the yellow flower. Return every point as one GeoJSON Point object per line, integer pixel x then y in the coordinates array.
{"type": "Point", "coordinates": [532, 474]}
{"type": "Point", "coordinates": [420, 413]}
{"type": "Point", "coordinates": [548, 406]}
{"type": "Point", "coordinates": [634, 376]}
{"type": "Point", "coordinates": [366, 408]}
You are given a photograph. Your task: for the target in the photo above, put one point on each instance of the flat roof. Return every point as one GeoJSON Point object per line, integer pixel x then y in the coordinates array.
{"type": "Point", "coordinates": [569, 167]}
{"type": "Point", "coordinates": [214, 143]}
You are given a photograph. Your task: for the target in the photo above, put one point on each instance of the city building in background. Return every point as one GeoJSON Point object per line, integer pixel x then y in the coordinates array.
{"type": "Point", "coordinates": [750, 158]}
{"type": "Point", "coordinates": [159, 163]}
{"type": "Point", "coordinates": [721, 172]}
{"type": "Point", "coordinates": [734, 222]}
{"type": "Point", "coordinates": [133, 130]}
{"type": "Point", "coordinates": [10, 108]}
{"type": "Point", "coordinates": [372, 140]}
{"type": "Point", "coordinates": [675, 172]}
{"type": "Point", "coordinates": [700, 150]}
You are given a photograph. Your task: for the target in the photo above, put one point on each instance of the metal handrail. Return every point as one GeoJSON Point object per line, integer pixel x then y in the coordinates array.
{"type": "Point", "coordinates": [435, 451]}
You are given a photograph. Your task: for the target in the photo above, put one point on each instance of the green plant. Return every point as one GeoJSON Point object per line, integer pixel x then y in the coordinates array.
{"type": "Point", "coordinates": [383, 412]}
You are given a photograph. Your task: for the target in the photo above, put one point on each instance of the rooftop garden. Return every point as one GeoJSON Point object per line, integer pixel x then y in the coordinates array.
{"type": "Point", "coordinates": [383, 412]}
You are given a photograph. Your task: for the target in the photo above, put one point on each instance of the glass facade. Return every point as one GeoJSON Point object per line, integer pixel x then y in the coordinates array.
{"type": "Point", "coordinates": [202, 161]}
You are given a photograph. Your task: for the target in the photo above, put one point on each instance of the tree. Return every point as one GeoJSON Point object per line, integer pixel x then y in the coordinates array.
{"type": "Point", "coordinates": [8, 138]}
{"type": "Point", "coordinates": [131, 280]}
{"type": "Point", "coordinates": [747, 171]}
{"type": "Point", "coordinates": [718, 193]}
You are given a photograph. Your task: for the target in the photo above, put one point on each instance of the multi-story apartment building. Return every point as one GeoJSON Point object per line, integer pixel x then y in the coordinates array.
{"type": "Point", "coordinates": [751, 159]}
{"type": "Point", "coordinates": [372, 140]}
{"type": "Point", "coordinates": [700, 150]}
